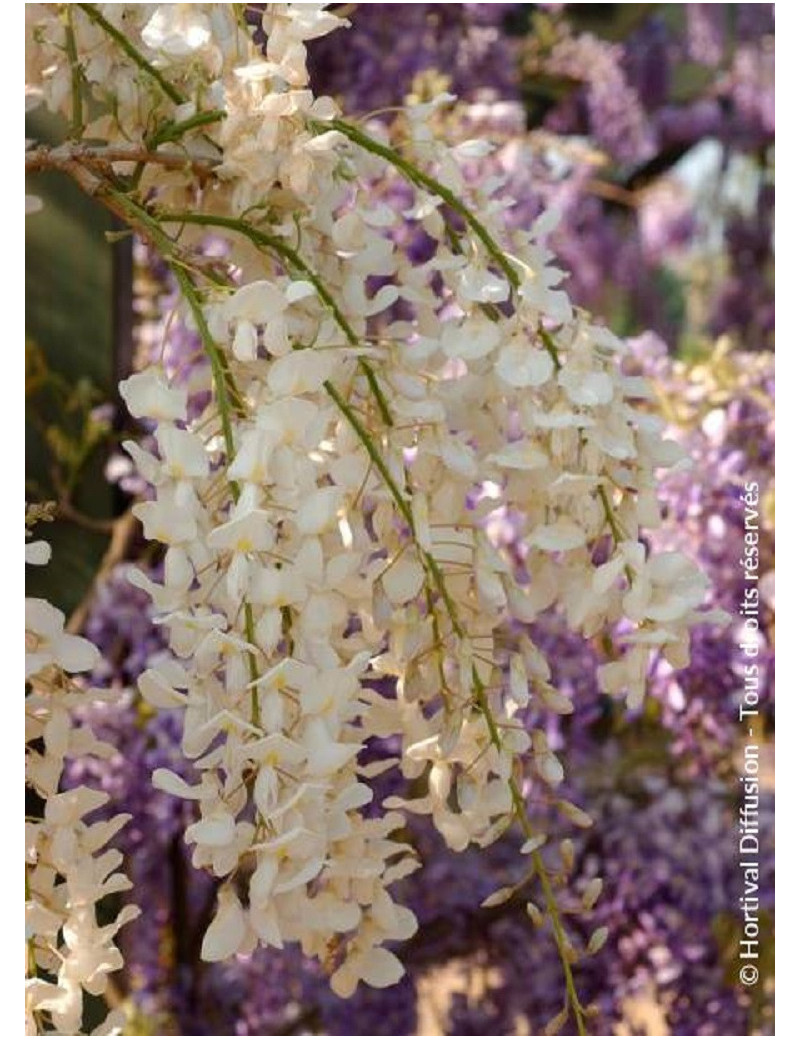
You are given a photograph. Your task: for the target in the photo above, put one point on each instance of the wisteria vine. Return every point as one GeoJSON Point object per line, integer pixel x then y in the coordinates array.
{"type": "Point", "coordinates": [330, 579]}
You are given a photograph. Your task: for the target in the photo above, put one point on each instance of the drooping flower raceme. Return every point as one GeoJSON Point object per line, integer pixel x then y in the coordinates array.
{"type": "Point", "coordinates": [324, 520]}
{"type": "Point", "coordinates": [68, 867]}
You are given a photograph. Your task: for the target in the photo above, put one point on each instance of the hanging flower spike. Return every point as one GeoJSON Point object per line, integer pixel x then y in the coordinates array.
{"type": "Point", "coordinates": [67, 871]}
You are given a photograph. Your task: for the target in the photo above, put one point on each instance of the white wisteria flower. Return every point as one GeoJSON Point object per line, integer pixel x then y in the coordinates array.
{"type": "Point", "coordinates": [68, 951]}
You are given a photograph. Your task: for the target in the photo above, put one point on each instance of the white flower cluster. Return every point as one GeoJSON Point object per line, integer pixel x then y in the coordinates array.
{"type": "Point", "coordinates": [330, 576]}
{"type": "Point", "coordinates": [197, 43]}
{"type": "Point", "coordinates": [68, 868]}
{"type": "Point", "coordinates": [261, 599]}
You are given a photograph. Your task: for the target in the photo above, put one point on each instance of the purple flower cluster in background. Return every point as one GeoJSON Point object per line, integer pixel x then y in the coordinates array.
{"type": "Point", "coordinates": [607, 103]}
{"type": "Point", "coordinates": [385, 53]}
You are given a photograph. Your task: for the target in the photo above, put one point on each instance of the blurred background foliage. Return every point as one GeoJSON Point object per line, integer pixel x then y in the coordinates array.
{"type": "Point", "coordinates": [69, 367]}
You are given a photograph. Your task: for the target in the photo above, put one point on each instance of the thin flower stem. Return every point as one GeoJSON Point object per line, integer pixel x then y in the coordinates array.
{"type": "Point", "coordinates": [76, 124]}
{"type": "Point", "coordinates": [136, 56]}
{"type": "Point", "coordinates": [189, 293]}
{"type": "Point", "coordinates": [377, 459]}
{"type": "Point", "coordinates": [273, 243]}
{"type": "Point", "coordinates": [276, 245]}
{"type": "Point", "coordinates": [438, 644]}
{"type": "Point", "coordinates": [429, 561]}
{"type": "Point", "coordinates": [538, 863]}
{"type": "Point", "coordinates": [424, 180]}
{"type": "Point", "coordinates": [221, 383]}
{"type": "Point", "coordinates": [618, 535]}
{"type": "Point", "coordinates": [33, 967]}
{"type": "Point", "coordinates": [616, 531]}
{"type": "Point", "coordinates": [175, 131]}
{"type": "Point", "coordinates": [140, 220]}
{"type": "Point", "coordinates": [550, 346]}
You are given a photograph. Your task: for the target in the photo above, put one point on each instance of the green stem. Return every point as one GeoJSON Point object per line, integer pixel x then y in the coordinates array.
{"type": "Point", "coordinates": [76, 124]}
{"type": "Point", "coordinates": [435, 187]}
{"type": "Point", "coordinates": [274, 244]}
{"type": "Point", "coordinates": [221, 380]}
{"type": "Point", "coordinates": [538, 863]}
{"type": "Point", "coordinates": [424, 180]}
{"type": "Point", "coordinates": [174, 131]}
{"type": "Point", "coordinates": [550, 346]}
{"type": "Point", "coordinates": [611, 520]}
{"type": "Point", "coordinates": [136, 56]}
{"type": "Point", "coordinates": [372, 451]}
{"type": "Point", "coordinates": [33, 967]}
{"type": "Point", "coordinates": [277, 246]}
{"type": "Point", "coordinates": [250, 632]}
{"type": "Point", "coordinates": [189, 292]}
{"type": "Point", "coordinates": [617, 533]}
{"type": "Point", "coordinates": [428, 559]}
{"type": "Point", "coordinates": [561, 942]}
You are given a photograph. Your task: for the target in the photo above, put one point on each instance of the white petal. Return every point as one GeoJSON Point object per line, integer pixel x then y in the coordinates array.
{"type": "Point", "coordinates": [344, 981]}
{"type": "Point", "coordinates": [318, 512]}
{"type": "Point", "coordinates": [518, 681]}
{"type": "Point", "coordinates": [171, 783]}
{"type": "Point", "coordinates": [520, 455]}
{"type": "Point", "coordinates": [38, 553]}
{"type": "Point", "coordinates": [502, 895]}
{"type": "Point", "coordinates": [148, 395]}
{"type": "Point", "coordinates": [245, 342]}
{"type": "Point", "coordinates": [298, 372]}
{"type": "Point", "coordinates": [564, 534]}
{"type": "Point", "coordinates": [403, 580]}
{"type": "Point", "coordinates": [666, 568]}
{"type": "Point", "coordinates": [472, 339]}
{"type": "Point", "coordinates": [257, 302]}
{"type": "Point", "coordinates": [381, 968]}
{"type": "Point", "coordinates": [226, 932]}
{"type": "Point", "coordinates": [480, 285]}
{"type": "Point", "coordinates": [217, 830]}
{"type": "Point", "coordinates": [605, 575]}
{"type": "Point", "coordinates": [158, 692]}
{"type": "Point", "coordinates": [75, 654]}
{"type": "Point", "coordinates": [587, 388]}
{"type": "Point", "coordinates": [263, 880]}
{"type": "Point", "coordinates": [42, 617]}
{"type": "Point", "coordinates": [301, 290]}
{"type": "Point", "coordinates": [521, 365]}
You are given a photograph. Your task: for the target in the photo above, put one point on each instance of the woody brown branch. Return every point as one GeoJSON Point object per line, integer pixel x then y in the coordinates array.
{"type": "Point", "coordinates": [92, 170]}
{"type": "Point", "coordinates": [65, 156]}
